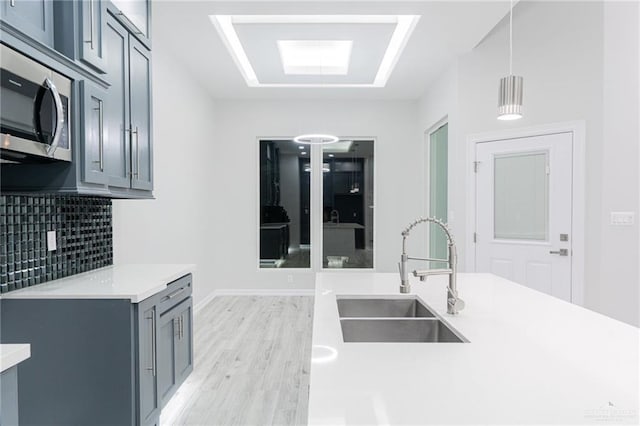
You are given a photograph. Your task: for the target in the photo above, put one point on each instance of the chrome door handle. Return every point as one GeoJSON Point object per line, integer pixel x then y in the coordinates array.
{"type": "Point", "coordinates": [13, 3]}
{"type": "Point", "coordinates": [561, 252]}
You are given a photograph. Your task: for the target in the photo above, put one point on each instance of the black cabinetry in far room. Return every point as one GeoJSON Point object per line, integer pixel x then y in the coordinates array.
{"type": "Point", "coordinates": [110, 113]}
{"type": "Point", "coordinates": [101, 361]}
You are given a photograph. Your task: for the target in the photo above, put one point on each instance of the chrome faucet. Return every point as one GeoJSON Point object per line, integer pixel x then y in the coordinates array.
{"type": "Point", "coordinates": [454, 303]}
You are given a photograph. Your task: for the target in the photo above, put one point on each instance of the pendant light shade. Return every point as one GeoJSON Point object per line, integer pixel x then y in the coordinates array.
{"type": "Point", "coordinates": [510, 98]}
{"type": "Point", "coordinates": [510, 94]}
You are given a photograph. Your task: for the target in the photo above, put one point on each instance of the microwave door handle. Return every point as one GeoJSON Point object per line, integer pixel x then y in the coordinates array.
{"type": "Point", "coordinates": [59, 116]}
{"type": "Point", "coordinates": [48, 85]}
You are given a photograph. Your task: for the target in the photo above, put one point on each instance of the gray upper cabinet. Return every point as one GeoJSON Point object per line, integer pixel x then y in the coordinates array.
{"type": "Point", "coordinates": [117, 153]}
{"type": "Point", "coordinates": [136, 16]}
{"type": "Point", "coordinates": [94, 103]}
{"type": "Point", "coordinates": [92, 50]}
{"type": "Point", "coordinates": [140, 98]}
{"type": "Point", "coordinates": [33, 18]}
{"type": "Point", "coordinates": [127, 145]}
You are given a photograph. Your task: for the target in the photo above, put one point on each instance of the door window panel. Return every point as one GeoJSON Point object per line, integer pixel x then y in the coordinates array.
{"type": "Point", "coordinates": [284, 205]}
{"type": "Point", "coordinates": [347, 205]}
{"type": "Point", "coordinates": [521, 196]}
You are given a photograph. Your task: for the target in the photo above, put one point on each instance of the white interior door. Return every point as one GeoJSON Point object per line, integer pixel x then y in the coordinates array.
{"type": "Point", "coordinates": [523, 216]}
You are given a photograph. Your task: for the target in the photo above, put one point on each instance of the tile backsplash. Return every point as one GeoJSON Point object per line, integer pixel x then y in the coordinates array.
{"type": "Point", "coordinates": [84, 237]}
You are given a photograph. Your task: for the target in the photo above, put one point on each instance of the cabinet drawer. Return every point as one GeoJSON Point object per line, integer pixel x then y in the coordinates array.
{"type": "Point", "coordinates": [175, 292]}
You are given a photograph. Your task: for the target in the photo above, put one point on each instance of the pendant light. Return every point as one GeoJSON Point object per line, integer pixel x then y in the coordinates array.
{"type": "Point", "coordinates": [316, 139]}
{"type": "Point", "coordinates": [510, 95]}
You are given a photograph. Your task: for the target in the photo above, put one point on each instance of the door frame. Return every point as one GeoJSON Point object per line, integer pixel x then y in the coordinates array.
{"type": "Point", "coordinates": [316, 192]}
{"type": "Point", "coordinates": [577, 130]}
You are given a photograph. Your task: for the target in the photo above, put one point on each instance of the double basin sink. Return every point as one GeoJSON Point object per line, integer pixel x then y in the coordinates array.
{"type": "Point", "coordinates": [392, 319]}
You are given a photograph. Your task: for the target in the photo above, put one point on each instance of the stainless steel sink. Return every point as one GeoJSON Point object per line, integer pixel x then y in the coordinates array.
{"type": "Point", "coordinates": [397, 330]}
{"type": "Point", "coordinates": [397, 319]}
{"type": "Point", "coordinates": [406, 307]}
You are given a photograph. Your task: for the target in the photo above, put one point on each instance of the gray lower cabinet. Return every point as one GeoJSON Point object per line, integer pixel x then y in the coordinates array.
{"type": "Point", "coordinates": [9, 397]}
{"type": "Point", "coordinates": [175, 349]}
{"type": "Point", "coordinates": [147, 373]}
{"type": "Point", "coordinates": [99, 361]}
{"type": "Point", "coordinates": [33, 18]}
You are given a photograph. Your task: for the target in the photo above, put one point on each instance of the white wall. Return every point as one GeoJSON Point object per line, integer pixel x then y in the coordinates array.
{"type": "Point", "coordinates": [579, 62]}
{"type": "Point", "coordinates": [240, 123]}
{"type": "Point", "coordinates": [177, 226]}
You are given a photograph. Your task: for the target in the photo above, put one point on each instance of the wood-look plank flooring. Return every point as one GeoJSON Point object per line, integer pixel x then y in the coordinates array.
{"type": "Point", "coordinates": [252, 362]}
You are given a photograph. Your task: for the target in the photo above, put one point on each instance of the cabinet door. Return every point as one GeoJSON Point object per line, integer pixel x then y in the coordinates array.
{"type": "Point", "coordinates": [93, 132]}
{"type": "Point", "coordinates": [147, 363]}
{"type": "Point", "coordinates": [184, 344]}
{"type": "Point", "coordinates": [168, 330]}
{"type": "Point", "coordinates": [141, 133]}
{"type": "Point", "coordinates": [34, 18]}
{"type": "Point", "coordinates": [116, 114]}
{"type": "Point", "coordinates": [92, 18]}
{"type": "Point", "coordinates": [136, 14]}
{"type": "Point", "coordinates": [175, 349]}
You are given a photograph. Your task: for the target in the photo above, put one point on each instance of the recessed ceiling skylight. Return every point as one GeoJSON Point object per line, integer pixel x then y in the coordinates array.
{"type": "Point", "coordinates": [315, 57]}
{"type": "Point", "coordinates": [303, 58]}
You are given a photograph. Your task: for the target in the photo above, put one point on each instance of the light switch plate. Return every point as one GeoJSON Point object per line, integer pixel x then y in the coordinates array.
{"type": "Point", "coordinates": [623, 218]}
{"type": "Point", "coordinates": [51, 240]}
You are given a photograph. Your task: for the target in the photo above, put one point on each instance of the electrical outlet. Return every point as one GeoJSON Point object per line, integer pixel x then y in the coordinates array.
{"type": "Point", "coordinates": [51, 241]}
{"type": "Point", "coordinates": [623, 218]}
{"type": "Point", "coordinates": [289, 278]}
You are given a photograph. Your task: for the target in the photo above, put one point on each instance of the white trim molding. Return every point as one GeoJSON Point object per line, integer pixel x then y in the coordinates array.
{"type": "Point", "coordinates": [578, 203]}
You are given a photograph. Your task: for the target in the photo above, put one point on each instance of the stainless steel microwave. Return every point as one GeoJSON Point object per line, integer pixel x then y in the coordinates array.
{"type": "Point", "coordinates": [34, 110]}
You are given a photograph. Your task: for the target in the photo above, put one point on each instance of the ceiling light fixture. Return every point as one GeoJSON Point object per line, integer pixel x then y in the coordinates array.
{"type": "Point", "coordinates": [316, 139]}
{"type": "Point", "coordinates": [315, 57]}
{"type": "Point", "coordinates": [404, 26]}
{"type": "Point", "coordinates": [510, 95]}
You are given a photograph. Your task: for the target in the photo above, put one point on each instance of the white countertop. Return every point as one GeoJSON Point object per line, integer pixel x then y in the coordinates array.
{"type": "Point", "coordinates": [135, 282]}
{"type": "Point", "coordinates": [531, 358]}
{"type": "Point", "coordinates": [13, 354]}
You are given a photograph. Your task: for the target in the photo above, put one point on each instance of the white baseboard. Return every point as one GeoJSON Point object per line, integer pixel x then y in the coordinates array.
{"type": "Point", "coordinates": [252, 292]}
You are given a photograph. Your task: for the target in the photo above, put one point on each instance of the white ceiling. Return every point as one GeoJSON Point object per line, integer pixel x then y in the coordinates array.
{"type": "Point", "coordinates": [446, 29]}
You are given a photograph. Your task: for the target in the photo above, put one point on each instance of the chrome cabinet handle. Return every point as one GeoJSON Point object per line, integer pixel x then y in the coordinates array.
{"type": "Point", "coordinates": [176, 327]}
{"type": "Point", "coordinates": [136, 172]}
{"type": "Point", "coordinates": [153, 343]}
{"type": "Point", "coordinates": [13, 3]}
{"type": "Point", "coordinates": [175, 293]}
{"type": "Point", "coordinates": [100, 135]}
{"type": "Point", "coordinates": [181, 326]}
{"type": "Point", "coordinates": [561, 252]}
{"type": "Point", "coordinates": [92, 13]}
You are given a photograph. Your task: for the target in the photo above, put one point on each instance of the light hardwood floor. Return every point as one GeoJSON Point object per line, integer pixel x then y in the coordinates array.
{"type": "Point", "coordinates": [252, 361]}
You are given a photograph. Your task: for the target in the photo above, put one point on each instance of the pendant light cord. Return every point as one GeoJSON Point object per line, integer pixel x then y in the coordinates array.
{"type": "Point", "coordinates": [511, 37]}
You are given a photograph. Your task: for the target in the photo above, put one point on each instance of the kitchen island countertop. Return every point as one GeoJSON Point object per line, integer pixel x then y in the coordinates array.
{"type": "Point", "coordinates": [531, 358]}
